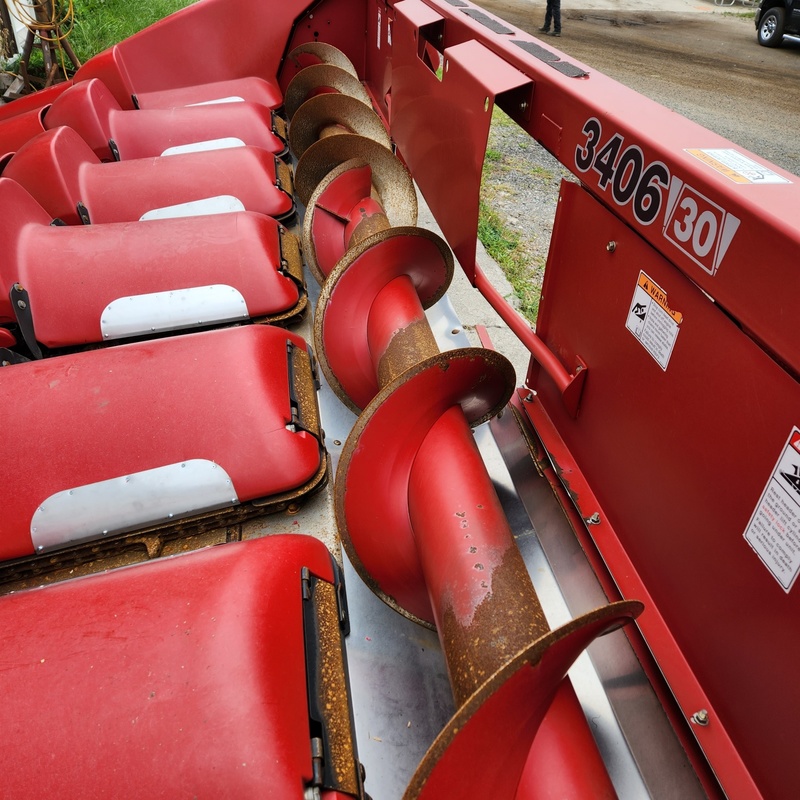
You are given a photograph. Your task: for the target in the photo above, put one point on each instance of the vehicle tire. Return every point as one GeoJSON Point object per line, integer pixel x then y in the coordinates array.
{"type": "Point", "coordinates": [770, 28]}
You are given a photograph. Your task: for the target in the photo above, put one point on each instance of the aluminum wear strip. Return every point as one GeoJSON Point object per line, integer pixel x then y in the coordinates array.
{"type": "Point", "coordinates": [200, 147]}
{"type": "Point", "coordinates": [171, 311]}
{"type": "Point", "coordinates": [230, 99]}
{"type": "Point", "coordinates": [132, 501]}
{"type": "Point", "coordinates": [220, 204]}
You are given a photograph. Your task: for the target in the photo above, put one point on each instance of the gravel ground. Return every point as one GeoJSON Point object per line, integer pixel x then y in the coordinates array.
{"type": "Point", "coordinates": [521, 181]}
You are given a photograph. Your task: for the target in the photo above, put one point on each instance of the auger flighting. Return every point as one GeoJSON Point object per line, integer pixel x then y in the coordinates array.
{"type": "Point", "coordinates": [416, 509]}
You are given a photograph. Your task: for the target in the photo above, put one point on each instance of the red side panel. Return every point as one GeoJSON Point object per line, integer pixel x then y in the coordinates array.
{"type": "Point", "coordinates": [678, 434]}
{"type": "Point", "coordinates": [221, 395]}
{"type": "Point", "coordinates": [59, 169]}
{"type": "Point", "coordinates": [178, 678]}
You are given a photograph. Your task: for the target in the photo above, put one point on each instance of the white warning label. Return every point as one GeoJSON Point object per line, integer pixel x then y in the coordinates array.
{"type": "Point", "coordinates": [652, 321]}
{"type": "Point", "coordinates": [774, 529]}
{"type": "Point", "coordinates": [736, 166]}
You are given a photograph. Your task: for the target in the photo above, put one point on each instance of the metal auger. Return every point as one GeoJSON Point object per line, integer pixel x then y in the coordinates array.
{"type": "Point", "coordinates": [416, 508]}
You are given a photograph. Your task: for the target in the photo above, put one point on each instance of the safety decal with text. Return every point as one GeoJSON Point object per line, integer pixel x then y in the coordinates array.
{"type": "Point", "coordinates": [736, 166]}
{"type": "Point", "coordinates": [774, 529]}
{"type": "Point", "coordinates": [652, 321]}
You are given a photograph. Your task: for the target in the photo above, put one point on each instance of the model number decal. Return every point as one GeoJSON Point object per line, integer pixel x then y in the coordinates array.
{"type": "Point", "coordinates": [693, 223]}
{"type": "Point", "coordinates": [698, 226]}
{"type": "Point", "coordinates": [623, 170]}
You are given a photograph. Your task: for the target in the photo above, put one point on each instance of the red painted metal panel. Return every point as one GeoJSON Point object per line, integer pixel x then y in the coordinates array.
{"type": "Point", "coordinates": [205, 42]}
{"type": "Point", "coordinates": [179, 677]}
{"type": "Point", "coordinates": [59, 169]}
{"type": "Point", "coordinates": [662, 452]}
{"type": "Point", "coordinates": [698, 195]}
{"type": "Point", "coordinates": [221, 396]}
{"type": "Point", "coordinates": [73, 273]}
{"type": "Point", "coordinates": [16, 130]}
{"type": "Point", "coordinates": [445, 153]}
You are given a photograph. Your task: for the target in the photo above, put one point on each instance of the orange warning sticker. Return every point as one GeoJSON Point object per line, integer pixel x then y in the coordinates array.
{"type": "Point", "coordinates": [652, 321]}
{"type": "Point", "coordinates": [736, 166]}
{"type": "Point", "coordinates": [659, 295]}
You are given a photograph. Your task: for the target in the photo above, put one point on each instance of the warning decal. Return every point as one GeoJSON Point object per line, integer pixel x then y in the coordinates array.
{"type": "Point", "coordinates": [737, 166]}
{"type": "Point", "coordinates": [774, 529]}
{"type": "Point", "coordinates": [652, 321]}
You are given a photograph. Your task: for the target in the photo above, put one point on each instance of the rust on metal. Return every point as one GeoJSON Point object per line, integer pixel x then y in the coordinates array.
{"type": "Point", "coordinates": [398, 199]}
{"type": "Point", "coordinates": [408, 347]}
{"type": "Point", "coordinates": [392, 181]}
{"type": "Point", "coordinates": [322, 76]}
{"type": "Point", "coordinates": [321, 53]}
{"type": "Point", "coordinates": [369, 226]}
{"type": "Point", "coordinates": [505, 622]}
{"type": "Point", "coordinates": [332, 685]}
{"type": "Point", "coordinates": [453, 375]}
{"type": "Point", "coordinates": [541, 665]}
{"type": "Point", "coordinates": [331, 114]}
{"type": "Point", "coordinates": [283, 172]}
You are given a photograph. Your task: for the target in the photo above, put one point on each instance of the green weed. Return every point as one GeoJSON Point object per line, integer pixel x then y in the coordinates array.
{"type": "Point", "coordinates": [102, 23]}
{"type": "Point", "coordinates": [505, 247]}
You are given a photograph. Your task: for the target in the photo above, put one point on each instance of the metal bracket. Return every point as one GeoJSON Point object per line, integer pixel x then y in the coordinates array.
{"type": "Point", "coordinates": [301, 410]}
{"type": "Point", "coordinates": [9, 357]}
{"type": "Point", "coordinates": [20, 302]}
{"type": "Point", "coordinates": [291, 260]}
{"type": "Point", "coordinates": [83, 213]}
{"type": "Point", "coordinates": [334, 758]}
{"type": "Point", "coordinates": [112, 145]}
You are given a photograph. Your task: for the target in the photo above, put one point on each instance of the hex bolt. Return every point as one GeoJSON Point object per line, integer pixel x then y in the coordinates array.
{"type": "Point", "coordinates": [611, 246]}
{"type": "Point", "coordinates": [700, 717]}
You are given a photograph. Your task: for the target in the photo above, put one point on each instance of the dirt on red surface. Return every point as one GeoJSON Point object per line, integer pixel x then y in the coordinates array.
{"type": "Point", "coordinates": [707, 66]}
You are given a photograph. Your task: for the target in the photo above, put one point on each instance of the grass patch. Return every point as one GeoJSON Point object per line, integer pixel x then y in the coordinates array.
{"type": "Point", "coordinates": [98, 24]}
{"type": "Point", "coordinates": [505, 247]}
{"type": "Point", "coordinates": [102, 23]}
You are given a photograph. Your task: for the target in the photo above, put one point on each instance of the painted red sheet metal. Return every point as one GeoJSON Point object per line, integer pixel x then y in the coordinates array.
{"type": "Point", "coordinates": [678, 434]}
{"type": "Point", "coordinates": [706, 204]}
{"type": "Point", "coordinates": [182, 677]}
{"type": "Point", "coordinates": [221, 395]}
{"type": "Point", "coordinates": [125, 84]}
{"type": "Point", "coordinates": [59, 169]}
{"type": "Point", "coordinates": [73, 273]}
{"type": "Point", "coordinates": [91, 109]}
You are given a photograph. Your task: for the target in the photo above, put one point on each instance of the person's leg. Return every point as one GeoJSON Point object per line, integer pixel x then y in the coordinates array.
{"type": "Point", "coordinates": [548, 14]}
{"type": "Point", "coordinates": [556, 16]}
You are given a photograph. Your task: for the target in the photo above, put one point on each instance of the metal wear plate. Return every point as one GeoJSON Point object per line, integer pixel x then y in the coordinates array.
{"type": "Point", "coordinates": [231, 99]}
{"type": "Point", "coordinates": [208, 144]}
{"type": "Point", "coordinates": [129, 502]}
{"type": "Point", "coordinates": [219, 204]}
{"type": "Point", "coordinates": [169, 311]}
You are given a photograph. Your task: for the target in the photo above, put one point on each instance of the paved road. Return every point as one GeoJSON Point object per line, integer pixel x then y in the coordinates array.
{"type": "Point", "coordinates": [692, 57]}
